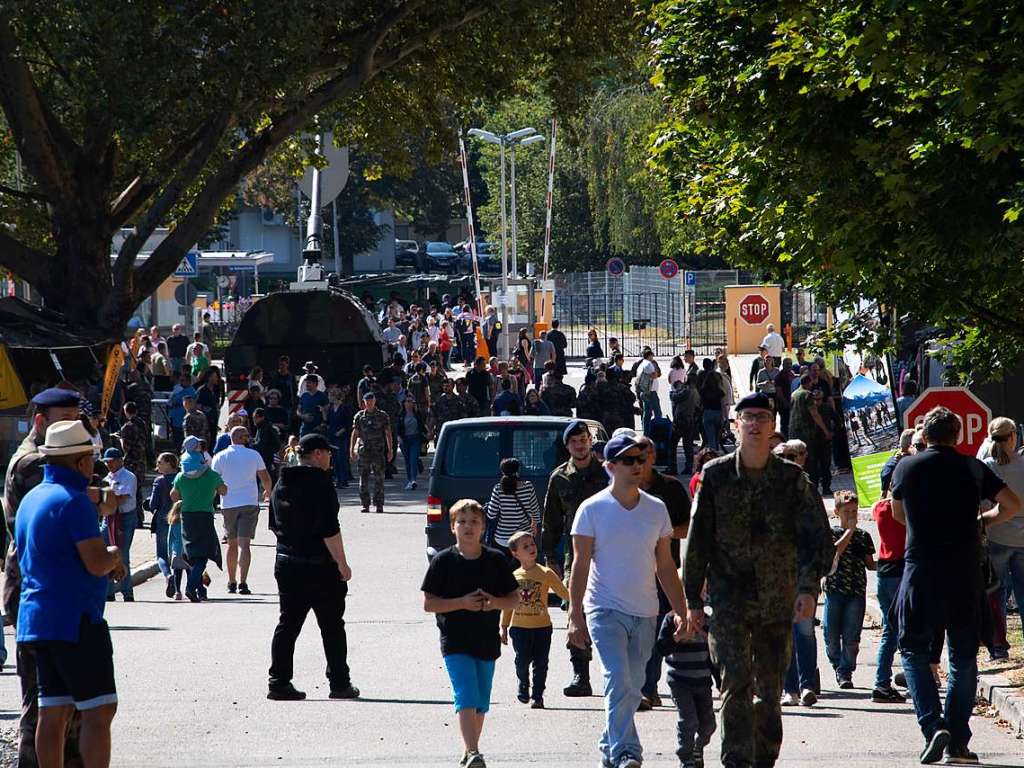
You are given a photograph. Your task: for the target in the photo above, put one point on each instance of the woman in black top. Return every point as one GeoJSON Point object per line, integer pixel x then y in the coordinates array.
{"type": "Point", "coordinates": [594, 351]}
{"type": "Point", "coordinates": [524, 352]}
{"type": "Point", "coordinates": [710, 386]}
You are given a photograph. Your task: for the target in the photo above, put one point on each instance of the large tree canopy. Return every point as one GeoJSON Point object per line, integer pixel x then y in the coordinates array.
{"type": "Point", "coordinates": [867, 149]}
{"type": "Point", "coordinates": [148, 113]}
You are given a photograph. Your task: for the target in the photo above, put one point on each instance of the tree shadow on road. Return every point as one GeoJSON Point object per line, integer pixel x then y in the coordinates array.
{"type": "Point", "coordinates": [446, 702]}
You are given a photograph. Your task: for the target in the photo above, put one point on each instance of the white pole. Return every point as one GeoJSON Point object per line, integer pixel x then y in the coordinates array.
{"type": "Point", "coordinates": [504, 261]}
{"type": "Point", "coordinates": [515, 228]}
{"type": "Point", "coordinates": [469, 221]}
{"type": "Point", "coordinates": [337, 238]}
{"type": "Point", "coordinates": [547, 225]}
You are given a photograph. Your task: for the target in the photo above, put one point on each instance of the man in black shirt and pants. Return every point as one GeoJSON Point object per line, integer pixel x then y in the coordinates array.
{"type": "Point", "coordinates": [936, 494]}
{"type": "Point", "coordinates": [311, 569]}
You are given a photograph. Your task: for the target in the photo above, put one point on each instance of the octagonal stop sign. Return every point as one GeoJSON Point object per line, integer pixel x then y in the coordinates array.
{"type": "Point", "coordinates": [974, 415]}
{"type": "Point", "coordinates": [754, 308]}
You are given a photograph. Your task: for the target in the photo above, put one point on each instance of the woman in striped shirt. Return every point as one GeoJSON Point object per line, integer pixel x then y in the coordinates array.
{"type": "Point", "coordinates": [513, 507]}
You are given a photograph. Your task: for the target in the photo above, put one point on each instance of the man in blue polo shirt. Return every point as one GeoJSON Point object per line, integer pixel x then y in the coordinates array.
{"type": "Point", "coordinates": [64, 566]}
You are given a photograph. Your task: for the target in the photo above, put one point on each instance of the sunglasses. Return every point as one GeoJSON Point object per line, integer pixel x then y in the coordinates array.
{"type": "Point", "coordinates": [629, 461]}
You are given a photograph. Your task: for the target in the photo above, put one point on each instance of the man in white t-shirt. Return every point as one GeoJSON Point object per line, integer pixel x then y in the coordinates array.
{"type": "Point", "coordinates": [621, 543]}
{"type": "Point", "coordinates": [647, 374]}
{"type": "Point", "coordinates": [240, 467]}
{"type": "Point", "coordinates": [775, 345]}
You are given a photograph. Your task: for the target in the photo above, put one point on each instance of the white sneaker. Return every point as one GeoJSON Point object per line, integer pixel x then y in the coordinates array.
{"type": "Point", "coordinates": [413, 484]}
{"type": "Point", "coordinates": [791, 700]}
{"type": "Point", "coordinates": [808, 697]}
{"type": "Point", "coordinates": [409, 486]}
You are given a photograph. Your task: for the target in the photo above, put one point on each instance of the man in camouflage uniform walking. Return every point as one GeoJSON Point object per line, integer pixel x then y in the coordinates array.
{"type": "Point", "coordinates": [559, 397]}
{"type": "Point", "coordinates": [761, 539]}
{"type": "Point", "coordinates": [470, 406]}
{"type": "Point", "coordinates": [371, 444]}
{"type": "Point", "coordinates": [135, 445]}
{"type": "Point", "coordinates": [569, 486]}
{"type": "Point", "coordinates": [446, 407]}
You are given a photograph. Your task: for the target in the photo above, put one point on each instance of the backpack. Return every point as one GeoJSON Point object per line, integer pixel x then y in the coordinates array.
{"type": "Point", "coordinates": [643, 382]}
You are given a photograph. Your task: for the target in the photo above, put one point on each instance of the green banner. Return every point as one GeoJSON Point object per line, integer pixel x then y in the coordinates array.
{"type": "Point", "coordinates": [867, 476]}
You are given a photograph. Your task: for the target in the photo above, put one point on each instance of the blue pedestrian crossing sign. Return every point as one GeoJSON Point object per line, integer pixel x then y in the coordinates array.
{"type": "Point", "coordinates": [189, 266]}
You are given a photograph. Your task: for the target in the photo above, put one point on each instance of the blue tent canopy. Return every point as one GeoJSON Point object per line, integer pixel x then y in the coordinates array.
{"type": "Point", "coordinates": [862, 392]}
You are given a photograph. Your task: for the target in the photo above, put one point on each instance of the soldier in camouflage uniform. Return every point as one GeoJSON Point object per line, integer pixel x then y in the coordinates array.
{"type": "Point", "coordinates": [392, 407]}
{"type": "Point", "coordinates": [569, 486]}
{"type": "Point", "coordinates": [761, 540]}
{"type": "Point", "coordinates": [435, 381]}
{"type": "Point", "coordinates": [447, 407]}
{"type": "Point", "coordinates": [135, 445]}
{"type": "Point", "coordinates": [372, 445]}
{"type": "Point", "coordinates": [587, 403]}
{"type": "Point", "coordinates": [194, 423]}
{"type": "Point", "coordinates": [470, 406]}
{"type": "Point", "coordinates": [559, 397]}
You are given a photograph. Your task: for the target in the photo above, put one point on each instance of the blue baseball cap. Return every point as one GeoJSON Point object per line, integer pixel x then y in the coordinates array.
{"type": "Point", "coordinates": [618, 445]}
{"type": "Point", "coordinates": [575, 427]}
{"type": "Point", "coordinates": [113, 453]}
{"type": "Point", "coordinates": [193, 462]}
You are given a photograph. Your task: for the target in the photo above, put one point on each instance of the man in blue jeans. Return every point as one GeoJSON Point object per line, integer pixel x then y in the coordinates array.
{"type": "Point", "coordinates": [936, 493]}
{"type": "Point", "coordinates": [621, 544]}
{"type": "Point", "coordinates": [123, 484]}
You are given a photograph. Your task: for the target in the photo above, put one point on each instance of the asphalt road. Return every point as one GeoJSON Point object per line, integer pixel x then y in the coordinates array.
{"type": "Point", "coordinates": [192, 682]}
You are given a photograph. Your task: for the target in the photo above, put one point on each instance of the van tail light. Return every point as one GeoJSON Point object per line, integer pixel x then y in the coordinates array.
{"type": "Point", "coordinates": [433, 509]}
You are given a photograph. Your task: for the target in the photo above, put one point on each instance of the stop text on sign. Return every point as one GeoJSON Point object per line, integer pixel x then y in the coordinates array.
{"type": "Point", "coordinates": [754, 309]}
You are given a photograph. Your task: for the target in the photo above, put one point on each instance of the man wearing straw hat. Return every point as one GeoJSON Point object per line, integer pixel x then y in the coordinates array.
{"type": "Point", "coordinates": [64, 567]}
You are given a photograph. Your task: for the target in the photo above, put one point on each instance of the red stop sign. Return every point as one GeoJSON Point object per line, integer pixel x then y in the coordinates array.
{"type": "Point", "coordinates": [974, 415]}
{"type": "Point", "coordinates": [754, 308]}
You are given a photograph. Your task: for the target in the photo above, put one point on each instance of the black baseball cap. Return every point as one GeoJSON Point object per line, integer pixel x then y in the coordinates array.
{"type": "Point", "coordinates": [575, 427]}
{"type": "Point", "coordinates": [313, 442]}
{"type": "Point", "coordinates": [755, 400]}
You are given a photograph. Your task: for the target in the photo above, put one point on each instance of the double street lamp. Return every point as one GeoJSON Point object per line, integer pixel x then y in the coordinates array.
{"type": "Point", "coordinates": [523, 137]}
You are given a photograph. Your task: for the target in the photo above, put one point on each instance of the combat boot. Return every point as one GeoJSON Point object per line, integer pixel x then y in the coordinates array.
{"type": "Point", "coordinates": [580, 685]}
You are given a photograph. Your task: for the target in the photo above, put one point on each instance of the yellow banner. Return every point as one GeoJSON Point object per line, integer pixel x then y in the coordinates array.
{"type": "Point", "coordinates": [115, 361]}
{"type": "Point", "coordinates": [12, 394]}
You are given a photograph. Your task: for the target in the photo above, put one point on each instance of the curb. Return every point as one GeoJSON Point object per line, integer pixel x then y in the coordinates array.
{"type": "Point", "coordinates": [144, 572]}
{"type": "Point", "coordinates": [995, 689]}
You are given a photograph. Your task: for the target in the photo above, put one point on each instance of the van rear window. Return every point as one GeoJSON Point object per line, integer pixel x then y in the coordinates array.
{"type": "Point", "coordinates": [472, 453]}
{"type": "Point", "coordinates": [539, 450]}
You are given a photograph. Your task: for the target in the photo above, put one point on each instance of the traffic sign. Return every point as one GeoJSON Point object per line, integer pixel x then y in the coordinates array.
{"type": "Point", "coordinates": [690, 281]}
{"type": "Point", "coordinates": [185, 294]}
{"type": "Point", "coordinates": [615, 266]}
{"type": "Point", "coordinates": [973, 414]}
{"type": "Point", "coordinates": [668, 269]}
{"type": "Point", "coordinates": [189, 266]}
{"type": "Point", "coordinates": [754, 309]}
{"type": "Point", "coordinates": [333, 176]}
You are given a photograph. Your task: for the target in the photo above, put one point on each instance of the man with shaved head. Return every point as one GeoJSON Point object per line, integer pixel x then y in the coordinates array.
{"type": "Point", "coordinates": [241, 467]}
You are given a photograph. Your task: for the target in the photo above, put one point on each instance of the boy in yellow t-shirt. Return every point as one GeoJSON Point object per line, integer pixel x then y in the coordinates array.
{"type": "Point", "coordinates": [530, 621]}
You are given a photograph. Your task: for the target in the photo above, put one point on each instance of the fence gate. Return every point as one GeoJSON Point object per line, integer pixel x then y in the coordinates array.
{"type": "Point", "coordinates": [641, 308]}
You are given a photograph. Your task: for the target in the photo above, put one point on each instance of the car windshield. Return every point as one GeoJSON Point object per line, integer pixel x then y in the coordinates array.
{"type": "Point", "coordinates": [439, 248]}
{"type": "Point", "coordinates": [539, 449]}
{"type": "Point", "coordinates": [472, 453]}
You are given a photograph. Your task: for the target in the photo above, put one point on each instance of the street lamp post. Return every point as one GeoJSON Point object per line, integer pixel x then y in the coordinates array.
{"type": "Point", "coordinates": [524, 136]}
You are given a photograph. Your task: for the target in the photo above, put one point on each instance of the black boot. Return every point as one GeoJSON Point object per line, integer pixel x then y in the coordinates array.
{"type": "Point", "coordinates": [580, 685]}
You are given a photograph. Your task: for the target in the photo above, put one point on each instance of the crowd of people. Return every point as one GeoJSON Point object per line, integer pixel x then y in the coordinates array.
{"type": "Point", "coordinates": [723, 589]}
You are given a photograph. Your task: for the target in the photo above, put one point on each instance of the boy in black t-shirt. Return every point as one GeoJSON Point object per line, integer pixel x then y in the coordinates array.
{"type": "Point", "coordinates": [465, 586]}
{"type": "Point", "coordinates": [846, 589]}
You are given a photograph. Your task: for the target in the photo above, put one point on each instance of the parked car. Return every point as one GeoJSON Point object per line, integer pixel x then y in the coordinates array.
{"type": "Point", "coordinates": [407, 254]}
{"type": "Point", "coordinates": [488, 258]}
{"type": "Point", "coordinates": [467, 458]}
{"type": "Point", "coordinates": [441, 257]}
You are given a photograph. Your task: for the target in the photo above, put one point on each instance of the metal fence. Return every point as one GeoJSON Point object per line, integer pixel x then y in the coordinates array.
{"type": "Point", "coordinates": [641, 308]}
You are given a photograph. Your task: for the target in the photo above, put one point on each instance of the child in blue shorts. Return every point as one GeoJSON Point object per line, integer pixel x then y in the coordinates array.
{"type": "Point", "coordinates": [466, 586]}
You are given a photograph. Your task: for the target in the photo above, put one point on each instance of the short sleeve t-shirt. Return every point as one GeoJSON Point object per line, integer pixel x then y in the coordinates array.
{"type": "Point", "coordinates": [850, 577]}
{"type": "Point", "coordinates": [650, 369]}
{"type": "Point", "coordinates": [124, 483]}
{"type": "Point", "coordinates": [56, 588]}
{"type": "Point", "coordinates": [197, 492]}
{"type": "Point", "coordinates": [473, 633]}
{"type": "Point", "coordinates": [238, 466]}
{"type": "Point", "coordinates": [309, 405]}
{"type": "Point", "coordinates": [622, 574]}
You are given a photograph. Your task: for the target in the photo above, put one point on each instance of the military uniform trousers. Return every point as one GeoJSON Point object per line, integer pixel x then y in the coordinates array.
{"type": "Point", "coordinates": [371, 463]}
{"type": "Point", "coordinates": [752, 658]}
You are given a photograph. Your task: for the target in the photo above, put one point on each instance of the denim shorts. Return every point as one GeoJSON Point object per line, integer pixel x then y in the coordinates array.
{"type": "Point", "coordinates": [471, 681]}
